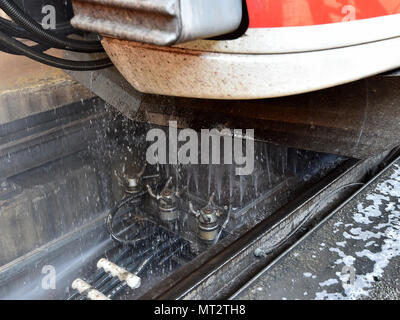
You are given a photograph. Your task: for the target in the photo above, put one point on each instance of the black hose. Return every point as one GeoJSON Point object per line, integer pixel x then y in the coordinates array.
{"type": "Point", "coordinates": [12, 30]}
{"type": "Point", "coordinates": [8, 28]}
{"type": "Point", "coordinates": [114, 283]}
{"type": "Point", "coordinates": [100, 273]}
{"type": "Point", "coordinates": [29, 24]}
{"type": "Point", "coordinates": [127, 261]}
{"type": "Point", "coordinates": [173, 253]}
{"type": "Point", "coordinates": [65, 29]}
{"type": "Point", "coordinates": [38, 47]}
{"type": "Point", "coordinates": [109, 282]}
{"type": "Point", "coordinates": [144, 265]}
{"type": "Point", "coordinates": [154, 255]}
{"type": "Point", "coordinates": [132, 263]}
{"type": "Point", "coordinates": [12, 25]}
{"type": "Point", "coordinates": [105, 279]}
{"type": "Point", "coordinates": [102, 277]}
{"type": "Point", "coordinates": [113, 213]}
{"type": "Point", "coordinates": [21, 48]}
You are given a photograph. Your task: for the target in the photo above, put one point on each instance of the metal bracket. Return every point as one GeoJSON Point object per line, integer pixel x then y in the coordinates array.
{"type": "Point", "coordinates": [159, 22]}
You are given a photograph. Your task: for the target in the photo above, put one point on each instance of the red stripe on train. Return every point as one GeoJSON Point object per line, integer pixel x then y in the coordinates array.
{"type": "Point", "coordinates": [286, 13]}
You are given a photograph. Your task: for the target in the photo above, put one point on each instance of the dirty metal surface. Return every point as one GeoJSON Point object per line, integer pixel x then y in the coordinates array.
{"type": "Point", "coordinates": [112, 88]}
{"type": "Point", "coordinates": [357, 120]}
{"type": "Point", "coordinates": [159, 22]}
{"type": "Point", "coordinates": [156, 22]}
{"type": "Point", "coordinates": [48, 136]}
{"type": "Point", "coordinates": [354, 254]}
{"type": "Point", "coordinates": [227, 266]}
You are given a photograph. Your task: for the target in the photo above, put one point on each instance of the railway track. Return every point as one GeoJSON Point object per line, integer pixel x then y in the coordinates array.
{"type": "Point", "coordinates": [352, 253]}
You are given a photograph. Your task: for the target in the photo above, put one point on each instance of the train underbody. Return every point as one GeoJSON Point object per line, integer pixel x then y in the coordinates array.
{"type": "Point", "coordinates": [314, 87]}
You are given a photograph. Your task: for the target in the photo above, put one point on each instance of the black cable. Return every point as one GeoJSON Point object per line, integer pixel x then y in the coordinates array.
{"type": "Point", "coordinates": [132, 263]}
{"type": "Point", "coordinates": [15, 30]}
{"type": "Point", "coordinates": [153, 256]}
{"type": "Point", "coordinates": [19, 47]}
{"type": "Point", "coordinates": [145, 264]}
{"type": "Point", "coordinates": [108, 283]}
{"type": "Point", "coordinates": [29, 24]}
{"type": "Point", "coordinates": [11, 25]}
{"type": "Point", "coordinates": [38, 47]}
{"type": "Point", "coordinates": [101, 277]}
{"type": "Point", "coordinates": [101, 273]}
{"type": "Point", "coordinates": [173, 253]}
{"type": "Point", "coordinates": [114, 283]}
{"type": "Point", "coordinates": [65, 29]}
{"type": "Point", "coordinates": [15, 11]}
{"type": "Point", "coordinates": [12, 30]}
{"type": "Point", "coordinates": [8, 28]}
{"type": "Point", "coordinates": [113, 213]}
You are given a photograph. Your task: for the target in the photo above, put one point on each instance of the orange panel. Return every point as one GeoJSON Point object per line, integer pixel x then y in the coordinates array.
{"type": "Point", "coordinates": [285, 13]}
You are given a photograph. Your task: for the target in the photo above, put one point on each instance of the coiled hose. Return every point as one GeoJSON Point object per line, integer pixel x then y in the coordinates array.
{"type": "Point", "coordinates": [50, 37]}
{"type": "Point", "coordinates": [142, 267]}
{"type": "Point", "coordinates": [17, 46]}
{"type": "Point", "coordinates": [28, 28]}
{"type": "Point", "coordinates": [113, 213]}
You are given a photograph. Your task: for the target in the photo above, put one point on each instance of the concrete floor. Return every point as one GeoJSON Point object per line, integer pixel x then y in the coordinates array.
{"type": "Point", "coordinates": [28, 87]}
{"type": "Point", "coordinates": [353, 255]}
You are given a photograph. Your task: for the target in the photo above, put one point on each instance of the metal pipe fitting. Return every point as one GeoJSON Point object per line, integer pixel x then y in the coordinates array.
{"type": "Point", "coordinates": [207, 220]}
{"type": "Point", "coordinates": [167, 201]}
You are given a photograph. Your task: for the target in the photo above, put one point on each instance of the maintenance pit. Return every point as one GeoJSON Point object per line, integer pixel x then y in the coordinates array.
{"type": "Point", "coordinates": [65, 171]}
{"type": "Point", "coordinates": [89, 210]}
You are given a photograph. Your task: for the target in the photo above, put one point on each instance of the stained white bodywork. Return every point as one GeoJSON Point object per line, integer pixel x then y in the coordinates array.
{"type": "Point", "coordinates": [201, 74]}
{"type": "Point", "coordinates": [265, 62]}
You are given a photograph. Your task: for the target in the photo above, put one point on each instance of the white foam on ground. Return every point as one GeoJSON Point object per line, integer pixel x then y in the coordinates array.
{"type": "Point", "coordinates": [385, 199]}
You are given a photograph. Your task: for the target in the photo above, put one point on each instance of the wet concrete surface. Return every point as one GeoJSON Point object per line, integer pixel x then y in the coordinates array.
{"type": "Point", "coordinates": [354, 255]}
{"type": "Point", "coordinates": [28, 87]}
